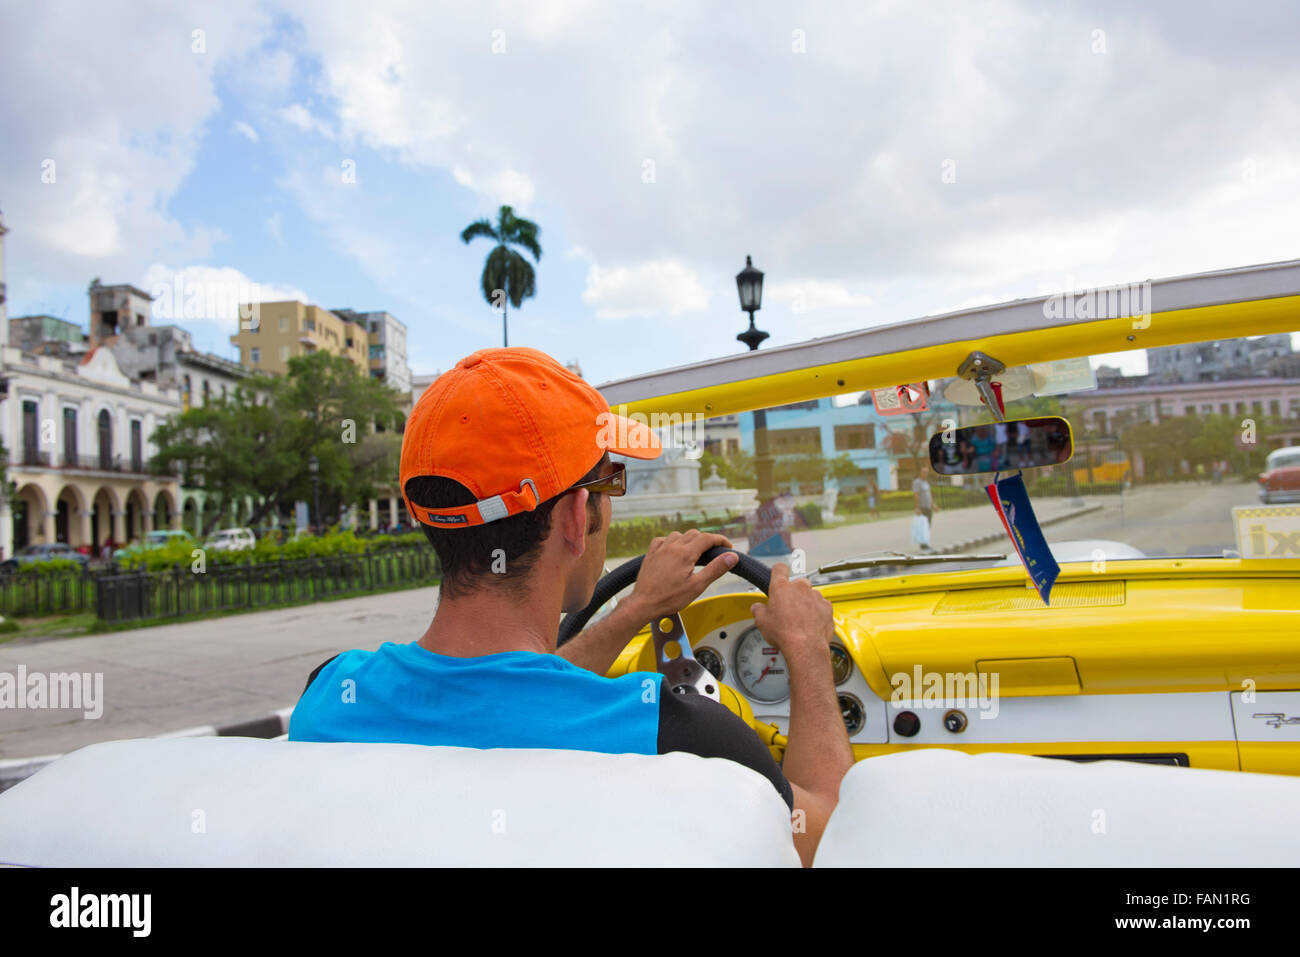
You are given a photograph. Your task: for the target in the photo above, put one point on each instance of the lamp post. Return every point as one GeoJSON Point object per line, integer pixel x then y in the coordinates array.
{"type": "Point", "coordinates": [749, 283]}
{"type": "Point", "coordinates": [313, 466]}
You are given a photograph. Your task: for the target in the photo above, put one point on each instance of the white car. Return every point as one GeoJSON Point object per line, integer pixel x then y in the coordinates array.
{"type": "Point", "coordinates": [231, 540]}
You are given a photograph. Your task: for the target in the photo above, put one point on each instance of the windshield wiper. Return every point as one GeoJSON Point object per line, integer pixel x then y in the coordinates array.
{"type": "Point", "coordinates": [898, 558]}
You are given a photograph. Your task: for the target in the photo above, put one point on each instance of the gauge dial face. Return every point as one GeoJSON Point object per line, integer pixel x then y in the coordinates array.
{"type": "Point", "coordinates": [760, 668]}
{"type": "Point", "coordinates": [711, 660]}
{"type": "Point", "coordinates": [841, 664]}
{"type": "Point", "coordinates": [854, 716]}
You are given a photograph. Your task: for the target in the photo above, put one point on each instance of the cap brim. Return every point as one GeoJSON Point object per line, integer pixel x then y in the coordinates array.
{"type": "Point", "coordinates": [624, 436]}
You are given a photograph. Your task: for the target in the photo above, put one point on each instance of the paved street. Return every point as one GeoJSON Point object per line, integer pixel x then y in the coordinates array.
{"type": "Point", "coordinates": [220, 671]}
{"type": "Point", "coordinates": [226, 670]}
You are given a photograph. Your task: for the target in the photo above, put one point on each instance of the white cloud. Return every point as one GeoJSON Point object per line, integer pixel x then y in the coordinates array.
{"type": "Point", "coordinates": [244, 130]}
{"type": "Point", "coordinates": [659, 288]}
{"type": "Point", "coordinates": [811, 294]}
{"type": "Point", "coordinates": [831, 165]}
{"type": "Point", "coordinates": [119, 141]}
{"type": "Point", "coordinates": [208, 292]}
{"type": "Point", "coordinates": [298, 116]}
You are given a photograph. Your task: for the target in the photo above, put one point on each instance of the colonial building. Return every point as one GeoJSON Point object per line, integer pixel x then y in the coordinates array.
{"type": "Point", "coordinates": [78, 435]}
{"type": "Point", "coordinates": [165, 355]}
{"type": "Point", "coordinates": [1107, 411]}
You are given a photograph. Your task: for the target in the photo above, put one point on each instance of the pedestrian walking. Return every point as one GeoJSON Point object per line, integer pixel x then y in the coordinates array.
{"type": "Point", "coordinates": [924, 499]}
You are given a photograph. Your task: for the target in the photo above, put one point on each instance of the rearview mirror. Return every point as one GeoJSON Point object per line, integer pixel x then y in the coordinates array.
{"type": "Point", "coordinates": [999, 446]}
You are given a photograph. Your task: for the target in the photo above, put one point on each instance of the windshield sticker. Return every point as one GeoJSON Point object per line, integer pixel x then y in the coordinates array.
{"type": "Point", "coordinates": [1011, 500]}
{"type": "Point", "coordinates": [1267, 531]}
{"type": "Point", "coordinates": [902, 399]}
{"type": "Point", "coordinates": [1063, 375]}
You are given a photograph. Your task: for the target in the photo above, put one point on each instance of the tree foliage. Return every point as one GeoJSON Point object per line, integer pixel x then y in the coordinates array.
{"type": "Point", "coordinates": [257, 442]}
{"type": "Point", "coordinates": [507, 276]}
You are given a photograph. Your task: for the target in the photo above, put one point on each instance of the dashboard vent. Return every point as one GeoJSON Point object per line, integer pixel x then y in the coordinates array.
{"type": "Point", "coordinates": [976, 601]}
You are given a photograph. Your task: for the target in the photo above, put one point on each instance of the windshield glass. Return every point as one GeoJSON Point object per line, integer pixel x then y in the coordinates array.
{"type": "Point", "coordinates": [1167, 442]}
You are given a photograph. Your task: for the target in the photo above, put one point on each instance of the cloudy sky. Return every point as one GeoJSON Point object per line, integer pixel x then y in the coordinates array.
{"type": "Point", "coordinates": [879, 161]}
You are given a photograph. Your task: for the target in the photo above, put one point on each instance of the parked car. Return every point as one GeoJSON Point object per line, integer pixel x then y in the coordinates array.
{"type": "Point", "coordinates": [1280, 481]}
{"type": "Point", "coordinates": [152, 540]}
{"type": "Point", "coordinates": [42, 553]}
{"type": "Point", "coordinates": [231, 540]}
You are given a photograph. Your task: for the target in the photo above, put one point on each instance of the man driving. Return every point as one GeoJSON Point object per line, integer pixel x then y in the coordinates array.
{"type": "Point", "coordinates": [505, 464]}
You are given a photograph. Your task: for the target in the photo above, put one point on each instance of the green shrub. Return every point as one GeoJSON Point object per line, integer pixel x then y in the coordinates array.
{"type": "Point", "coordinates": [330, 545]}
{"type": "Point", "coordinates": [50, 566]}
{"type": "Point", "coordinates": [811, 514]}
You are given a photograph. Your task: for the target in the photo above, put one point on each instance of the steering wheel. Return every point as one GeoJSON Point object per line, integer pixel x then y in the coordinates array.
{"type": "Point", "coordinates": [685, 675]}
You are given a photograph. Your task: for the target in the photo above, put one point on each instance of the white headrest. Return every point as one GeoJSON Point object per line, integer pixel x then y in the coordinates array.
{"type": "Point", "coordinates": [941, 808]}
{"type": "Point", "coordinates": [244, 801]}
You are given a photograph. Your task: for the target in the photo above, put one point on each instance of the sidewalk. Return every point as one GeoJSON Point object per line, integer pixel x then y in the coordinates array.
{"type": "Point", "coordinates": [954, 530]}
{"type": "Point", "coordinates": [222, 671]}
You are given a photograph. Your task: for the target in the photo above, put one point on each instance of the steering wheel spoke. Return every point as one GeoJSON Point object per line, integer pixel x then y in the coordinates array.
{"type": "Point", "coordinates": [684, 673]}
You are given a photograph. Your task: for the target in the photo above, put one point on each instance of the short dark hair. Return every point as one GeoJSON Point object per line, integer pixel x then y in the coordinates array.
{"type": "Point", "coordinates": [467, 555]}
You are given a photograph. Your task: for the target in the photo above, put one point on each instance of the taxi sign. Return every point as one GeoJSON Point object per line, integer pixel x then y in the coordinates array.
{"type": "Point", "coordinates": [1267, 531]}
{"type": "Point", "coordinates": [902, 399]}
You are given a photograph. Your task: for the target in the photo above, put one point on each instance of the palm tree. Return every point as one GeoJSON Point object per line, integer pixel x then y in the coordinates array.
{"type": "Point", "coordinates": [507, 273]}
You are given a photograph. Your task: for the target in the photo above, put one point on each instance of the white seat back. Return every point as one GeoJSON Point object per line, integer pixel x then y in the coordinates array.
{"type": "Point", "coordinates": [942, 808]}
{"type": "Point", "coordinates": [216, 801]}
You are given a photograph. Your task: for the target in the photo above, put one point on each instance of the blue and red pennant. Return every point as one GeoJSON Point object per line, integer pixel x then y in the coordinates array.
{"type": "Point", "coordinates": [1011, 499]}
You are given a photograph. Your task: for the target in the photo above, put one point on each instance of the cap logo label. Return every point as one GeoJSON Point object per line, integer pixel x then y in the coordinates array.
{"type": "Point", "coordinates": [446, 519]}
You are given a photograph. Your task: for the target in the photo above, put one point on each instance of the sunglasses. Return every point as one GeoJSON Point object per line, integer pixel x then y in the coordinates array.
{"type": "Point", "coordinates": [613, 483]}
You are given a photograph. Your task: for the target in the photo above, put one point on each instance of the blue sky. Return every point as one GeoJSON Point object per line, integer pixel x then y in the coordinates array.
{"type": "Point", "coordinates": [878, 162]}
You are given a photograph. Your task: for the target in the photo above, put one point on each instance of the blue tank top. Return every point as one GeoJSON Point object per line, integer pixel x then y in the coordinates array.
{"type": "Point", "coordinates": [406, 694]}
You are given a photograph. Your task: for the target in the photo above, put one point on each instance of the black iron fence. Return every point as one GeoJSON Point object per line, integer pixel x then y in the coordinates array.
{"type": "Point", "coordinates": [140, 596]}
{"type": "Point", "coordinates": [176, 592]}
{"type": "Point", "coordinates": [68, 592]}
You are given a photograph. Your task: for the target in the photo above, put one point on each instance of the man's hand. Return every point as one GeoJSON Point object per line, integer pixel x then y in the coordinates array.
{"type": "Point", "coordinates": [796, 618]}
{"type": "Point", "coordinates": [668, 581]}
{"type": "Point", "coordinates": [799, 621]}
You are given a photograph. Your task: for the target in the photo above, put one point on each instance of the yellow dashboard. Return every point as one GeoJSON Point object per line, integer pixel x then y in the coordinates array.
{"type": "Point", "coordinates": [1181, 661]}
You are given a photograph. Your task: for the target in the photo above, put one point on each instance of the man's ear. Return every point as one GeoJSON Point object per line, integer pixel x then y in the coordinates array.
{"type": "Point", "coordinates": [570, 517]}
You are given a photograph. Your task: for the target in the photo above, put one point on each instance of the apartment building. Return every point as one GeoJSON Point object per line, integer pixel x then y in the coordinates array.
{"type": "Point", "coordinates": [386, 342]}
{"type": "Point", "coordinates": [284, 330]}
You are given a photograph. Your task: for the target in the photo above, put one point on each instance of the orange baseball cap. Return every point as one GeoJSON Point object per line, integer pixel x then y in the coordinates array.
{"type": "Point", "coordinates": [514, 427]}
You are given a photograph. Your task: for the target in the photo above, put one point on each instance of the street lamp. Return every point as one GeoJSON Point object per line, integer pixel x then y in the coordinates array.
{"type": "Point", "coordinates": [749, 283]}
{"type": "Point", "coordinates": [313, 466]}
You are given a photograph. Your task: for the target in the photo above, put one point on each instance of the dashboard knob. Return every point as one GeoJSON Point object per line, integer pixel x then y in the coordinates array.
{"type": "Point", "coordinates": [955, 722]}
{"type": "Point", "coordinates": [907, 724]}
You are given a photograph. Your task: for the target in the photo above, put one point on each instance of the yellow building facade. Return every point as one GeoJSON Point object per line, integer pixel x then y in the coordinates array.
{"type": "Point", "coordinates": [278, 331]}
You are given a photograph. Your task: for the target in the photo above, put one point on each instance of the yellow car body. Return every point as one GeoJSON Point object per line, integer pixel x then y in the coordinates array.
{"type": "Point", "coordinates": [1193, 661]}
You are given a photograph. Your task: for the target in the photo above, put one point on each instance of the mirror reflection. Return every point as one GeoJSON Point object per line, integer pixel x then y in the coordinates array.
{"type": "Point", "coordinates": [999, 446]}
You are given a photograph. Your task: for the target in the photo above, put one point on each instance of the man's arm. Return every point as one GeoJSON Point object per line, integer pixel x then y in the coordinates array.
{"type": "Point", "coordinates": [798, 621]}
{"type": "Point", "coordinates": [666, 583]}
{"type": "Point", "coordinates": [598, 645]}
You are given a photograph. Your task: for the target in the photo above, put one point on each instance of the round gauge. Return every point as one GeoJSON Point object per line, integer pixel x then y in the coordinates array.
{"type": "Point", "coordinates": [841, 664]}
{"type": "Point", "coordinates": [760, 668]}
{"type": "Point", "coordinates": [854, 717]}
{"type": "Point", "coordinates": [711, 660]}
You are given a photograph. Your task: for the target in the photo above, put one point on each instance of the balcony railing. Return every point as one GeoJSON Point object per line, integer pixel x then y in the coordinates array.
{"type": "Point", "coordinates": [33, 457]}
{"type": "Point", "coordinates": [87, 463]}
